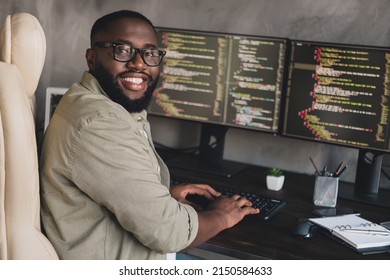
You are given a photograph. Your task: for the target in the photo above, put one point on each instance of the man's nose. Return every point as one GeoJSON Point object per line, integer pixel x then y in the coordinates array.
{"type": "Point", "coordinates": [137, 62]}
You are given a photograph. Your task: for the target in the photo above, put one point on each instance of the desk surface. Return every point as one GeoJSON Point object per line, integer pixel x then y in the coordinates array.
{"type": "Point", "coordinates": [254, 238]}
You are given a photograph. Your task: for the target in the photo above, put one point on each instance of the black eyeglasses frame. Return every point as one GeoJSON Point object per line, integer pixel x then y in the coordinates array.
{"type": "Point", "coordinates": [134, 52]}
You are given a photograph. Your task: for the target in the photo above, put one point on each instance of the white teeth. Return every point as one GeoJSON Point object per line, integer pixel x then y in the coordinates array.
{"type": "Point", "coordinates": [134, 80]}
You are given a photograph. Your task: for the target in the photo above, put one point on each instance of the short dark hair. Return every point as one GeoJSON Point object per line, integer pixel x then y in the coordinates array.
{"type": "Point", "coordinates": [102, 23]}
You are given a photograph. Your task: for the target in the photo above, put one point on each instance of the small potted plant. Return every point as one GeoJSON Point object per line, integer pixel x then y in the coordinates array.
{"type": "Point", "coordinates": [275, 179]}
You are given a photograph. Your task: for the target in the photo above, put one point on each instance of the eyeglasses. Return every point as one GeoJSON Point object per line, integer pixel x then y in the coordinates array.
{"type": "Point", "coordinates": [125, 53]}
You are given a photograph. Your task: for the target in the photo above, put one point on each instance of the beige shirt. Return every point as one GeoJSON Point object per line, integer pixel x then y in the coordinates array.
{"type": "Point", "coordinates": [105, 191]}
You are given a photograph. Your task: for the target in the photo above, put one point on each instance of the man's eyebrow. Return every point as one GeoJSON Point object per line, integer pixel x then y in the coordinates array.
{"type": "Point", "coordinates": [148, 45]}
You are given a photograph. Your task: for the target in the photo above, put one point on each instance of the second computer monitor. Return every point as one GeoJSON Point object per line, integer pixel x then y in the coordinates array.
{"type": "Point", "coordinates": [339, 94]}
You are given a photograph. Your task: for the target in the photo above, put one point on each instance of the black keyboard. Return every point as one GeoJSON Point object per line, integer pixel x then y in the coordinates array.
{"type": "Point", "coordinates": [268, 206]}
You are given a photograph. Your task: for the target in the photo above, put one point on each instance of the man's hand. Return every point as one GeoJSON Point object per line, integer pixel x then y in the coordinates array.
{"type": "Point", "coordinates": [233, 209]}
{"type": "Point", "coordinates": [180, 192]}
{"type": "Point", "coordinates": [222, 213]}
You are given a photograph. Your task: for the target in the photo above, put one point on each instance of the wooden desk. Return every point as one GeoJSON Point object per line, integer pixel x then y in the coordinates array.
{"type": "Point", "coordinates": [254, 238]}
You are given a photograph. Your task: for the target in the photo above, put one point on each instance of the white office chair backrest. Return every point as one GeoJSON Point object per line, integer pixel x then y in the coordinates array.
{"type": "Point", "coordinates": [23, 43]}
{"type": "Point", "coordinates": [22, 54]}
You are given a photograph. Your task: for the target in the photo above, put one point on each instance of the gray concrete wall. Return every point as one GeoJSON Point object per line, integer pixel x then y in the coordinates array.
{"type": "Point", "coordinates": [67, 25]}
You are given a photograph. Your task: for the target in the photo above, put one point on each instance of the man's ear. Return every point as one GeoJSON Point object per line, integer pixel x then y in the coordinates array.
{"type": "Point", "coordinates": [90, 56]}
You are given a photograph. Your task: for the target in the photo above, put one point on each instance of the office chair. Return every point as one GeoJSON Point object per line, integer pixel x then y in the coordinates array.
{"type": "Point", "coordinates": [3, 236]}
{"type": "Point", "coordinates": [22, 55]}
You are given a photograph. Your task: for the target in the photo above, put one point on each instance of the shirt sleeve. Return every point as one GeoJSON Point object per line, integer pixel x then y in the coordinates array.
{"type": "Point", "coordinates": [114, 164]}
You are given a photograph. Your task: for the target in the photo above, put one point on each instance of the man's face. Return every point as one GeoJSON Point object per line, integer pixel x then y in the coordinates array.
{"type": "Point", "coordinates": [130, 84]}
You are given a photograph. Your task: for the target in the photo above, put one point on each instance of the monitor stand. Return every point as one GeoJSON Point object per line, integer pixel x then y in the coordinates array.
{"type": "Point", "coordinates": [347, 191]}
{"type": "Point", "coordinates": [210, 158]}
{"type": "Point", "coordinates": [366, 188]}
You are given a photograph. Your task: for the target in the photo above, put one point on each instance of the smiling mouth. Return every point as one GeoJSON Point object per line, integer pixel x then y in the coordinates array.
{"type": "Point", "coordinates": [134, 83]}
{"type": "Point", "coordinates": [134, 80]}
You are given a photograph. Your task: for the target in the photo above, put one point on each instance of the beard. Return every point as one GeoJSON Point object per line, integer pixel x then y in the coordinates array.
{"type": "Point", "coordinates": [111, 86]}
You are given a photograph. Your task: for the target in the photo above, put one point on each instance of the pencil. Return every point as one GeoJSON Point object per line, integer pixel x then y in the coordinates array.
{"type": "Point", "coordinates": [342, 171]}
{"type": "Point", "coordinates": [339, 168]}
{"type": "Point", "coordinates": [315, 167]}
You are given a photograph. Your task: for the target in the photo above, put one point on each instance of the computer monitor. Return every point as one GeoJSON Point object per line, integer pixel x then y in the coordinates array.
{"type": "Point", "coordinates": [53, 97]}
{"type": "Point", "coordinates": [219, 80]}
{"type": "Point", "coordinates": [339, 94]}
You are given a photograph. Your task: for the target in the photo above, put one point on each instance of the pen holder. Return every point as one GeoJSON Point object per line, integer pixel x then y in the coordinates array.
{"type": "Point", "coordinates": [325, 191]}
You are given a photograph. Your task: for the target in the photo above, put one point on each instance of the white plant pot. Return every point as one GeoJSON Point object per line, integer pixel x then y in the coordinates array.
{"type": "Point", "coordinates": [275, 183]}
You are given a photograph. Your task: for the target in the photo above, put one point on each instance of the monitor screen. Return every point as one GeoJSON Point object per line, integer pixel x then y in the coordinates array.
{"type": "Point", "coordinates": [233, 80]}
{"type": "Point", "coordinates": [339, 94]}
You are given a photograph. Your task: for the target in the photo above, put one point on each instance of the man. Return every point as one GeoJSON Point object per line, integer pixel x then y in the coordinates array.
{"type": "Point", "coordinates": [105, 191]}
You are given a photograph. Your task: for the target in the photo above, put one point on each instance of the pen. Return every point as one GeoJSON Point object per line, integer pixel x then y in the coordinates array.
{"type": "Point", "coordinates": [326, 173]}
{"type": "Point", "coordinates": [367, 231]}
{"type": "Point", "coordinates": [324, 170]}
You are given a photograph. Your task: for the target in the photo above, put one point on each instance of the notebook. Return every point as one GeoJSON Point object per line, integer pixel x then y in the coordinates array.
{"type": "Point", "coordinates": [356, 231]}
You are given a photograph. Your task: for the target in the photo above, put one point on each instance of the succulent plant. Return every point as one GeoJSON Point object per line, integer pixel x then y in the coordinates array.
{"type": "Point", "coordinates": [275, 172]}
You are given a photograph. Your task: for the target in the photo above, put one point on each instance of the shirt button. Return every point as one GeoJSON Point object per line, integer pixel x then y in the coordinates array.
{"type": "Point", "coordinates": [144, 134]}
